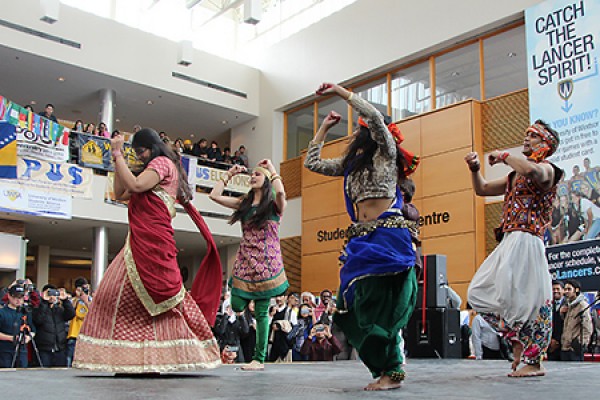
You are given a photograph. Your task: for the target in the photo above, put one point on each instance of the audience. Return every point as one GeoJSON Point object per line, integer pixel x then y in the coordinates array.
{"type": "Point", "coordinates": [48, 112]}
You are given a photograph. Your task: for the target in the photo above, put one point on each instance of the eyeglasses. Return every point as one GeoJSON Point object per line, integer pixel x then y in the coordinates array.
{"type": "Point", "coordinates": [139, 151]}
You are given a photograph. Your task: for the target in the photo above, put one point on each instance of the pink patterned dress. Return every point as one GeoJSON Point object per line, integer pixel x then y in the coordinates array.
{"type": "Point", "coordinates": [258, 269]}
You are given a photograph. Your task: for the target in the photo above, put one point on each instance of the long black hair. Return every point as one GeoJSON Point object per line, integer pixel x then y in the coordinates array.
{"type": "Point", "coordinates": [360, 152]}
{"type": "Point", "coordinates": [263, 211]}
{"type": "Point", "coordinates": [148, 138]}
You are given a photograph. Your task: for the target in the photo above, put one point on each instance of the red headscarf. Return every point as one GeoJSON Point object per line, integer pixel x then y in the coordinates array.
{"type": "Point", "coordinates": [412, 160]}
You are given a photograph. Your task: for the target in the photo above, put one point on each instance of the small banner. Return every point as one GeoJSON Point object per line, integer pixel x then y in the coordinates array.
{"type": "Point", "coordinates": [94, 152]}
{"type": "Point", "coordinates": [18, 200]}
{"type": "Point", "coordinates": [207, 177]}
{"type": "Point", "coordinates": [61, 178]}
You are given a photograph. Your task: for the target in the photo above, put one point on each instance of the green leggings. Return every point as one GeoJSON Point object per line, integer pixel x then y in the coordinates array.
{"type": "Point", "coordinates": [261, 313]}
{"type": "Point", "coordinates": [382, 306]}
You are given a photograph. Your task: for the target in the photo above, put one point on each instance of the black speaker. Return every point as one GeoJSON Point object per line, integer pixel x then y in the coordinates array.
{"type": "Point", "coordinates": [434, 274]}
{"type": "Point", "coordinates": [441, 337]}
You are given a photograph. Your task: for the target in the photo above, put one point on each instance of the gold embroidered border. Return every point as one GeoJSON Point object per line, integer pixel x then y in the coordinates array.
{"type": "Point", "coordinates": [146, 368]}
{"type": "Point", "coordinates": [156, 344]}
{"type": "Point", "coordinates": [260, 286]}
{"type": "Point", "coordinates": [166, 198]}
{"type": "Point", "coordinates": [153, 308]}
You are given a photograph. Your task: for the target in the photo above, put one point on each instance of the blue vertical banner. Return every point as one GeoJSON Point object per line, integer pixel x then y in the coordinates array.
{"type": "Point", "coordinates": [563, 39]}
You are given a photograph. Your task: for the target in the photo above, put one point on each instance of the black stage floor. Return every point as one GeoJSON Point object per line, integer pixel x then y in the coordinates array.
{"type": "Point", "coordinates": [426, 379]}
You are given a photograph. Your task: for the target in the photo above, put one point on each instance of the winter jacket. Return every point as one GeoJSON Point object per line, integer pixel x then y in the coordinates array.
{"type": "Point", "coordinates": [50, 322]}
{"type": "Point", "coordinates": [572, 323]}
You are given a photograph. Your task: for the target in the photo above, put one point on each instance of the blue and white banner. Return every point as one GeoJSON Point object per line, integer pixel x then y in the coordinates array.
{"type": "Point", "coordinates": [207, 177]}
{"type": "Point", "coordinates": [18, 200]}
{"type": "Point", "coordinates": [562, 51]}
{"type": "Point", "coordinates": [59, 178]}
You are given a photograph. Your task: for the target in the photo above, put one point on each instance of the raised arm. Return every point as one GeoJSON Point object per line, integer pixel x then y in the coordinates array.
{"type": "Point", "coordinates": [481, 186]}
{"type": "Point", "coordinates": [314, 162]}
{"type": "Point", "coordinates": [373, 118]}
{"type": "Point", "coordinates": [277, 184]}
{"type": "Point", "coordinates": [542, 174]}
{"type": "Point", "coordinates": [125, 181]}
{"type": "Point", "coordinates": [216, 194]}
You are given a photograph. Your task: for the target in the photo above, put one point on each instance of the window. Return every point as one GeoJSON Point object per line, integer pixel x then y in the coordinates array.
{"type": "Point", "coordinates": [299, 130]}
{"type": "Point", "coordinates": [505, 61]}
{"type": "Point", "coordinates": [457, 76]}
{"type": "Point", "coordinates": [411, 91]}
{"type": "Point", "coordinates": [375, 93]}
{"type": "Point", "coordinates": [341, 107]}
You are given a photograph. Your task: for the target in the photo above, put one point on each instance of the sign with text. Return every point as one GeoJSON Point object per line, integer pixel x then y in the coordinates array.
{"type": "Point", "coordinates": [94, 152]}
{"type": "Point", "coordinates": [579, 261]}
{"type": "Point", "coordinates": [18, 200]}
{"type": "Point", "coordinates": [562, 50]}
{"type": "Point", "coordinates": [207, 177]}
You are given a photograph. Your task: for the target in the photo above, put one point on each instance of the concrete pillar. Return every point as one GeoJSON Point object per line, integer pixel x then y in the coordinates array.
{"type": "Point", "coordinates": [21, 270]}
{"type": "Point", "coordinates": [99, 255]}
{"type": "Point", "coordinates": [107, 105]}
{"type": "Point", "coordinates": [42, 262]}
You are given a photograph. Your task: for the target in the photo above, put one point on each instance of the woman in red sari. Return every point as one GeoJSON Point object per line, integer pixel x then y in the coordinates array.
{"type": "Point", "coordinates": [142, 319]}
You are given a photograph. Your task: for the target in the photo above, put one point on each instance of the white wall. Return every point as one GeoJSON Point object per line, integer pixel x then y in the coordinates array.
{"type": "Point", "coordinates": [360, 38]}
{"type": "Point", "coordinates": [127, 53]}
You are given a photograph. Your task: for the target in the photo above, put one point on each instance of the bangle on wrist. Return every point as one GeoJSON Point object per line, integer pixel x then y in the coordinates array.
{"type": "Point", "coordinates": [350, 97]}
{"type": "Point", "coordinates": [276, 176]}
{"type": "Point", "coordinates": [225, 181]}
{"type": "Point", "coordinates": [503, 156]}
{"type": "Point", "coordinates": [475, 168]}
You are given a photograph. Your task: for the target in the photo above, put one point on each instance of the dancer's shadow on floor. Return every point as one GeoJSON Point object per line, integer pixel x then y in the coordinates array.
{"type": "Point", "coordinates": [145, 376]}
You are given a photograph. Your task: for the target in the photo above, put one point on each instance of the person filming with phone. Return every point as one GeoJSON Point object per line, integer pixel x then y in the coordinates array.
{"type": "Point", "coordinates": [49, 318]}
{"type": "Point", "coordinates": [321, 345]}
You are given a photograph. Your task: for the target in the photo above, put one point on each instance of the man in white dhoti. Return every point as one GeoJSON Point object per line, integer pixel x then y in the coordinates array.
{"type": "Point", "coordinates": [512, 289]}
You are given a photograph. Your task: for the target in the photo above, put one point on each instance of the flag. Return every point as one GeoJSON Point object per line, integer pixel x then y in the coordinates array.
{"type": "Point", "coordinates": [8, 150]}
{"type": "Point", "coordinates": [37, 125]}
{"type": "Point", "coordinates": [13, 114]}
{"type": "Point", "coordinates": [4, 108]}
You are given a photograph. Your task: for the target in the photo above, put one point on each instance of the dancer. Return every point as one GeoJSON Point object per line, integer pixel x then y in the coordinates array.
{"type": "Point", "coordinates": [378, 285]}
{"type": "Point", "coordinates": [142, 319]}
{"type": "Point", "coordinates": [258, 272]}
{"type": "Point", "coordinates": [512, 289]}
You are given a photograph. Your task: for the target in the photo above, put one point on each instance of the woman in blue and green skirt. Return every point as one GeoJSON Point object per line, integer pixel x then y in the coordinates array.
{"type": "Point", "coordinates": [378, 286]}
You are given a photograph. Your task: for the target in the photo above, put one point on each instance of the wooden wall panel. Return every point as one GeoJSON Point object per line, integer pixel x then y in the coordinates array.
{"type": "Point", "coordinates": [447, 130]}
{"type": "Point", "coordinates": [291, 174]}
{"type": "Point", "coordinates": [311, 229]}
{"type": "Point", "coordinates": [291, 251]}
{"type": "Point", "coordinates": [445, 173]}
{"type": "Point", "coordinates": [461, 290]}
{"type": "Point", "coordinates": [323, 200]}
{"type": "Point", "coordinates": [460, 207]}
{"type": "Point", "coordinates": [460, 255]}
{"type": "Point", "coordinates": [320, 271]}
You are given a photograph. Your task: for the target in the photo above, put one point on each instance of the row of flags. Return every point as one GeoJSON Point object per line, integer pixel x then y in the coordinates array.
{"type": "Point", "coordinates": [14, 119]}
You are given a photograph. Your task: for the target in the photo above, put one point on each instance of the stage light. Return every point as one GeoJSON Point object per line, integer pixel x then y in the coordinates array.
{"type": "Point", "coordinates": [50, 9]}
{"type": "Point", "coordinates": [252, 11]}
{"type": "Point", "coordinates": [185, 53]}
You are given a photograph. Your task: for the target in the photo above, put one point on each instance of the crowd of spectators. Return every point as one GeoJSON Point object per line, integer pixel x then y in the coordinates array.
{"type": "Point", "coordinates": [40, 328]}
{"type": "Point", "coordinates": [301, 329]}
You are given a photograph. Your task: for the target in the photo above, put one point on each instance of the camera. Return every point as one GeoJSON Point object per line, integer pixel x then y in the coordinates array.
{"type": "Point", "coordinates": [53, 292]}
{"type": "Point", "coordinates": [320, 328]}
{"type": "Point", "coordinates": [233, 349]}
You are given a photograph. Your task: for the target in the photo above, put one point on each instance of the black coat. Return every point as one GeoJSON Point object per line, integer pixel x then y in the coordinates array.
{"type": "Point", "coordinates": [51, 333]}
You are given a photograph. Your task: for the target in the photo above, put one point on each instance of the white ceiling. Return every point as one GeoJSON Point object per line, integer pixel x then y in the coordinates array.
{"type": "Point", "coordinates": [27, 77]}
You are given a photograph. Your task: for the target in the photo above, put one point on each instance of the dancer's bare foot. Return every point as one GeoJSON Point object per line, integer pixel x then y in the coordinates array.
{"type": "Point", "coordinates": [253, 366]}
{"type": "Point", "coordinates": [528, 370]}
{"type": "Point", "coordinates": [384, 383]}
{"type": "Point", "coordinates": [517, 353]}
{"type": "Point", "coordinates": [372, 384]}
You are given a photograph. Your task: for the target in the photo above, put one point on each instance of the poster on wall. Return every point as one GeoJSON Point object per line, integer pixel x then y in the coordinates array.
{"type": "Point", "coordinates": [16, 199]}
{"type": "Point", "coordinates": [207, 177]}
{"type": "Point", "coordinates": [562, 52]}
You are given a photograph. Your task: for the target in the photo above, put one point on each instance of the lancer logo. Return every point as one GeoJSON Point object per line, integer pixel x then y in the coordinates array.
{"type": "Point", "coordinates": [565, 89]}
